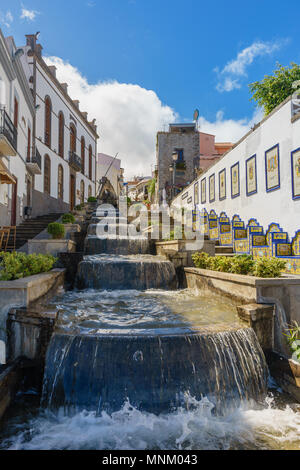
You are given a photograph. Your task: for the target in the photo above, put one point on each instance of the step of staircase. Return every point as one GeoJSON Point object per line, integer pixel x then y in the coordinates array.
{"type": "Point", "coordinates": [224, 249]}
{"type": "Point", "coordinates": [225, 254]}
{"type": "Point", "coordinates": [30, 228]}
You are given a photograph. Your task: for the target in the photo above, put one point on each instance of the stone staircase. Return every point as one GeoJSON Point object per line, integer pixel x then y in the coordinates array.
{"type": "Point", "coordinates": [223, 250]}
{"type": "Point", "coordinates": [30, 229]}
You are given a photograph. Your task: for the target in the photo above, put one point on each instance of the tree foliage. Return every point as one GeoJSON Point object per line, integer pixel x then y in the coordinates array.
{"type": "Point", "coordinates": [274, 89]}
{"type": "Point", "coordinates": [151, 187]}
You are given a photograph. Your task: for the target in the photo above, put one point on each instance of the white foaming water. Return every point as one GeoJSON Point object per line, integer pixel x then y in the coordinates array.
{"type": "Point", "coordinates": [249, 427]}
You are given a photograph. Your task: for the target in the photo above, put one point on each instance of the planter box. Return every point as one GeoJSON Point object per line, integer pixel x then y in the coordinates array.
{"type": "Point", "coordinates": [24, 292]}
{"type": "Point", "coordinates": [71, 228]}
{"type": "Point", "coordinates": [180, 251]}
{"type": "Point", "coordinates": [283, 292]}
{"type": "Point", "coordinates": [79, 213]}
{"type": "Point", "coordinates": [79, 219]}
{"type": "Point", "coordinates": [185, 245]}
{"type": "Point", "coordinates": [51, 247]}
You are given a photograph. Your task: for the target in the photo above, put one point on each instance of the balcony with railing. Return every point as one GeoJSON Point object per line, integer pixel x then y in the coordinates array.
{"type": "Point", "coordinates": [34, 162]}
{"type": "Point", "coordinates": [8, 135]}
{"type": "Point", "coordinates": [74, 161]}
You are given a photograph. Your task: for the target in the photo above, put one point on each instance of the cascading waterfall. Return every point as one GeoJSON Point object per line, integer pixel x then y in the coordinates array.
{"type": "Point", "coordinates": [119, 246]}
{"type": "Point", "coordinates": [126, 272]}
{"type": "Point", "coordinates": [155, 373]}
{"type": "Point", "coordinates": [150, 369]}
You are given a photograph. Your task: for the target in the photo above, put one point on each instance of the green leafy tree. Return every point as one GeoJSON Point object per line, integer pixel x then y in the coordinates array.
{"type": "Point", "coordinates": [274, 89]}
{"type": "Point", "coordinates": [151, 187]}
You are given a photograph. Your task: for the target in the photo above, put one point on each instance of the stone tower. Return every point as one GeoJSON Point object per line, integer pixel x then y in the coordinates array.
{"type": "Point", "coordinates": [183, 139]}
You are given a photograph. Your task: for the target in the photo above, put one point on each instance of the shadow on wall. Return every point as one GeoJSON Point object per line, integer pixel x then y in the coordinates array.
{"type": "Point", "coordinates": [44, 204]}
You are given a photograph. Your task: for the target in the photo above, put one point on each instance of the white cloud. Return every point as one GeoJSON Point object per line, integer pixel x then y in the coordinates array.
{"type": "Point", "coordinates": [28, 15]}
{"type": "Point", "coordinates": [229, 130]}
{"type": "Point", "coordinates": [128, 116]}
{"type": "Point", "coordinates": [236, 69]}
{"type": "Point", "coordinates": [6, 18]}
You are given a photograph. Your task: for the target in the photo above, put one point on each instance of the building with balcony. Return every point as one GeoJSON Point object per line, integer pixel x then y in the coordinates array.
{"type": "Point", "coordinates": [63, 157]}
{"type": "Point", "coordinates": [16, 123]}
{"type": "Point", "coordinates": [181, 154]}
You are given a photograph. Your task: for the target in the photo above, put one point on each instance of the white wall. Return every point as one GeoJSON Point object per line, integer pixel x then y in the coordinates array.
{"type": "Point", "coordinates": [17, 165]}
{"type": "Point", "coordinates": [267, 207]}
{"type": "Point", "coordinates": [46, 87]}
{"type": "Point", "coordinates": [9, 89]}
{"type": "Point", "coordinates": [5, 96]}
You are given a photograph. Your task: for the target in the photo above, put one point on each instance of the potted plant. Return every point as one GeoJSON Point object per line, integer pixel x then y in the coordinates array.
{"type": "Point", "coordinates": [57, 230]}
{"type": "Point", "coordinates": [68, 219]}
{"type": "Point", "coordinates": [293, 339]}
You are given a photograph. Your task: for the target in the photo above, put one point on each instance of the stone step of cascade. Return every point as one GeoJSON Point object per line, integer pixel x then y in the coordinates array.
{"type": "Point", "coordinates": [119, 246]}
{"type": "Point", "coordinates": [113, 228]}
{"type": "Point", "coordinates": [109, 220]}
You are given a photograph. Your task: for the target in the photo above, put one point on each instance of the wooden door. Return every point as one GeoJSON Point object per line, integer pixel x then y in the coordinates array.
{"type": "Point", "coordinates": [72, 191]}
{"type": "Point", "coordinates": [16, 113]}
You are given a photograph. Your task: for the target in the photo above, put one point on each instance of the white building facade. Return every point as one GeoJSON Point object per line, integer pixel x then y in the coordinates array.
{"type": "Point", "coordinates": [65, 141]}
{"type": "Point", "coordinates": [17, 116]}
{"type": "Point", "coordinates": [259, 178]}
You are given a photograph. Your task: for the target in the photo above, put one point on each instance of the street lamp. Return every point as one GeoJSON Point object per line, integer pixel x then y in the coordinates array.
{"type": "Point", "coordinates": [172, 169]}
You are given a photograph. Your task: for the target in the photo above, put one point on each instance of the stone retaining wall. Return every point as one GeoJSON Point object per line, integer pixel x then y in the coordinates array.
{"type": "Point", "coordinates": [283, 292]}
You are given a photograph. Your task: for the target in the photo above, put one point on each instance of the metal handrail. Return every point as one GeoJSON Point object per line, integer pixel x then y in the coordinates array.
{"type": "Point", "coordinates": [8, 129]}
{"type": "Point", "coordinates": [75, 160]}
{"type": "Point", "coordinates": [36, 158]}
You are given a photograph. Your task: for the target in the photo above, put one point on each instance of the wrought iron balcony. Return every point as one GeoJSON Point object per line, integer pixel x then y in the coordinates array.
{"type": "Point", "coordinates": [8, 135]}
{"type": "Point", "coordinates": [34, 163]}
{"type": "Point", "coordinates": [74, 161]}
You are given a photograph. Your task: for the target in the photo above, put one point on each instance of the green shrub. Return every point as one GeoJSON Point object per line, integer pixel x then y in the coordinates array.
{"type": "Point", "coordinates": [240, 264]}
{"type": "Point", "coordinates": [172, 235]}
{"type": "Point", "coordinates": [92, 199]}
{"type": "Point", "coordinates": [268, 267]}
{"type": "Point", "coordinates": [79, 207]}
{"type": "Point", "coordinates": [224, 264]}
{"type": "Point", "coordinates": [176, 234]}
{"type": "Point", "coordinates": [56, 229]}
{"type": "Point", "coordinates": [17, 265]}
{"type": "Point", "coordinates": [201, 260]}
{"type": "Point", "coordinates": [68, 219]}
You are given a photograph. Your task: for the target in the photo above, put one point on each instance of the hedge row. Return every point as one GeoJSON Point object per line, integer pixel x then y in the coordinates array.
{"type": "Point", "coordinates": [240, 264]}
{"type": "Point", "coordinates": [17, 265]}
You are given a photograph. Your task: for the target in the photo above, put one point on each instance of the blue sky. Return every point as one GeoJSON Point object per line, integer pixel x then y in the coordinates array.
{"type": "Point", "coordinates": [190, 53]}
